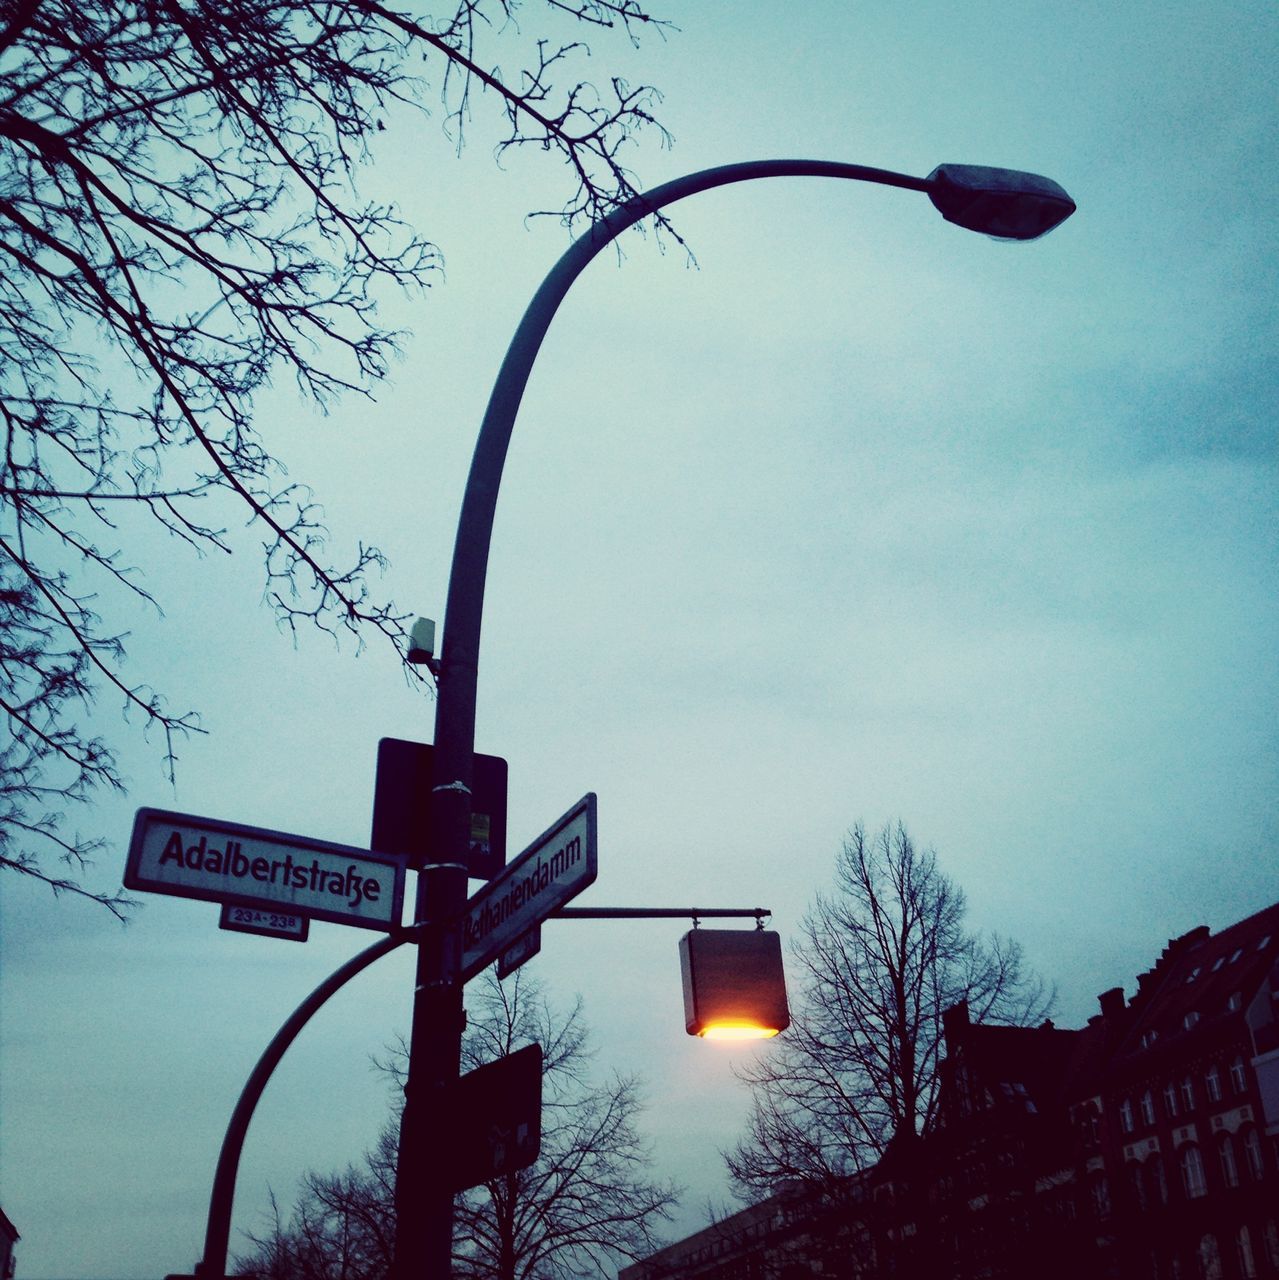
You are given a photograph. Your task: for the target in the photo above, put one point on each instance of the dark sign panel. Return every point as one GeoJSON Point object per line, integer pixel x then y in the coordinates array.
{"type": "Point", "coordinates": [402, 806]}
{"type": "Point", "coordinates": [520, 953]}
{"type": "Point", "coordinates": [495, 1122]}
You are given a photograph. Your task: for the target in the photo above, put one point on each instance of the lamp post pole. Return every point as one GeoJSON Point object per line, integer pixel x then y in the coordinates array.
{"type": "Point", "coordinates": [1002, 203]}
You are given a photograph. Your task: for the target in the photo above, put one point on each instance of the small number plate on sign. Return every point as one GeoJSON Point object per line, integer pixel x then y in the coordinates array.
{"type": "Point", "coordinates": [270, 924]}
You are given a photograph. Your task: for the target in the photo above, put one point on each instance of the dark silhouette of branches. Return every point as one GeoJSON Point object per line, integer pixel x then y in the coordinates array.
{"type": "Point", "coordinates": [586, 1203]}
{"type": "Point", "coordinates": [180, 222]}
{"type": "Point", "coordinates": [881, 957]}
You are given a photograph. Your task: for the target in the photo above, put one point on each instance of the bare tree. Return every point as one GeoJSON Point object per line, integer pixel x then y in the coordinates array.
{"type": "Point", "coordinates": [342, 1228]}
{"type": "Point", "coordinates": [180, 221]}
{"type": "Point", "coordinates": [586, 1203]}
{"type": "Point", "coordinates": [881, 958]}
{"type": "Point", "coordinates": [588, 1200]}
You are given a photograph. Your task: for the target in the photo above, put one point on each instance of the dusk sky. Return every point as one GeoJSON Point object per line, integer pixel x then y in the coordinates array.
{"type": "Point", "coordinates": [858, 517]}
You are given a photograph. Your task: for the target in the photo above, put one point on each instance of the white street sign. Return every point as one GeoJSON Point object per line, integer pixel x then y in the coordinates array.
{"type": "Point", "coordinates": [267, 924]}
{"type": "Point", "coordinates": [554, 869]}
{"type": "Point", "coordinates": [218, 861]}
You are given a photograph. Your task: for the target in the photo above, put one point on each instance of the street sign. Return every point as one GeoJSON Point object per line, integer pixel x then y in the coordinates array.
{"type": "Point", "coordinates": [269, 924]}
{"type": "Point", "coordinates": [495, 1123]}
{"type": "Point", "coordinates": [523, 950]}
{"type": "Point", "coordinates": [192, 857]}
{"type": "Point", "coordinates": [402, 806]}
{"type": "Point", "coordinates": [553, 870]}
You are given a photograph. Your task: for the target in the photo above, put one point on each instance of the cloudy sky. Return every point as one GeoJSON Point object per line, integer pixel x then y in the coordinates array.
{"type": "Point", "coordinates": [860, 517]}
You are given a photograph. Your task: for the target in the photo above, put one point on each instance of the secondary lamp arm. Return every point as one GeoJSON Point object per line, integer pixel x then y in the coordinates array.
{"type": "Point", "coordinates": [758, 914]}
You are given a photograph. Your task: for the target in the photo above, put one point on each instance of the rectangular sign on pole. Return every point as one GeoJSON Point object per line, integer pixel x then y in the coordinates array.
{"type": "Point", "coordinates": [521, 952]}
{"type": "Point", "coordinates": [267, 924]}
{"type": "Point", "coordinates": [402, 806]}
{"type": "Point", "coordinates": [494, 1125]}
{"type": "Point", "coordinates": [192, 857]}
{"type": "Point", "coordinates": [554, 869]}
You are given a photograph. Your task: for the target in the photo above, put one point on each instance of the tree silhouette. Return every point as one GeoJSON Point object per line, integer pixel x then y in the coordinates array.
{"type": "Point", "coordinates": [881, 957]}
{"type": "Point", "coordinates": [180, 222]}
{"type": "Point", "coordinates": [586, 1203]}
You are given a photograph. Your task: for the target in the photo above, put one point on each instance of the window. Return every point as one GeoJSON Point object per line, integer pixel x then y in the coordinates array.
{"type": "Point", "coordinates": [1100, 1190]}
{"type": "Point", "coordinates": [1170, 1098]}
{"type": "Point", "coordinates": [1089, 1125]}
{"type": "Point", "coordinates": [1156, 1182]}
{"type": "Point", "coordinates": [1137, 1178]}
{"type": "Point", "coordinates": [1238, 1081]}
{"type": "Point", "coordinates": [1229, 1167]}
{"type": "Point", "coordinates": [1235, 1001]}
{"type": "Point", "coordinates": [1192, 975]}
{"type": "Point", "coordinates": [1237, 953]}
{"type": "Point", "coordinates": [1209, 1259]}
{"type": "Point", "coordinates": [1148, 1037]}
{"type": "Point", "coordinates": [1125, 1116]}
{"type": "Point", "coordinates": [1188, 1094]}
{"type": "Point", "coordinates": [1192, 1173]}
{"type": "Point", "coordinates": [1148, 1107]}
{"type": "Point", "coordinates": [1212, 1083]}
{"type": "Point", "coordinates": [1190, 1019]}
{"type": "Point", "coordinates": [1253, 1156]}
{"type": "Point", "coordinates": [1243, 1247]}
{"type": "Point", "coordinates": [1272, 1242]}
{"type": "Point", "coordinates": [1264, 943]}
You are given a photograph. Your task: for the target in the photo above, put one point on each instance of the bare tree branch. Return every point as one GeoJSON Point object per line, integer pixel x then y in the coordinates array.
{"type": "Point", "coordinates": [180, 220]}
{"type": "Point", "coordinates": [882, 957]}
{"type": "Point", "coordinates": [586, 1203]}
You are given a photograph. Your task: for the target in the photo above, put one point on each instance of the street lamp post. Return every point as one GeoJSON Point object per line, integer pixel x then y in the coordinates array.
{"type": "Point", "coordinates": [1003, 203]}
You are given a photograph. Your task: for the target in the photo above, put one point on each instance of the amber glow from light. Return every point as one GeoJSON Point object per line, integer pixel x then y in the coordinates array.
{"type": "Point", "coordinates": [737, 1031]}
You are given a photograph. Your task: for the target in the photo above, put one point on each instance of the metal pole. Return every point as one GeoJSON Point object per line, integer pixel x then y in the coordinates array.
{"type": "Point", "coordinates": [424, 1197]}
{"type": "Point", "coordinates": [218, 1231]}
{"type": "Point", "coordinates": [662, 913]}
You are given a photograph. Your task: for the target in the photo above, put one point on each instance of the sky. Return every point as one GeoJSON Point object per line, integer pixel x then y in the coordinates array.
{"type": "Point", "coordinates": [860, 517]}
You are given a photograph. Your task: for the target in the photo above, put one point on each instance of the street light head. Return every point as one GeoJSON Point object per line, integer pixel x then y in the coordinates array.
{"type": "Point", "coordinates": [1004, 203]}
{"type": "Point", "coordinates": [734, 987]}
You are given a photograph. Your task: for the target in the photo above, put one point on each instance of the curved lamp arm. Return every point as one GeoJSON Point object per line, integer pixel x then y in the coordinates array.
{"type": "Point", "coordinates": [217, 1234]}
{"type": "Point", "coordinates": [1004, 203]}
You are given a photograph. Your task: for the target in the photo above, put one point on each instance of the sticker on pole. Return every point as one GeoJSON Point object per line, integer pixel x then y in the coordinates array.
{"type": "Point", "coordinates": [554, 869]}
{"type": "Point", "coordinates": [190, 857]}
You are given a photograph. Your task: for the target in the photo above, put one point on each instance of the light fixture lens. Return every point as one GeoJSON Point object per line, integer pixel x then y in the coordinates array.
{"type": "Point", "coordinates": [738, 1031]}
{"type": "Point", "coordinates": [734, 987]}
{"type": "Point", "coordinates": [1004, 203]}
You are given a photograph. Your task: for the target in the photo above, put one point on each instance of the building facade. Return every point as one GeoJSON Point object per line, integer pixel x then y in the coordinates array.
{"type": "Point", "coordinates": [8, 1239]}
{"type": "Point", "coordinates": [1143, 1146]}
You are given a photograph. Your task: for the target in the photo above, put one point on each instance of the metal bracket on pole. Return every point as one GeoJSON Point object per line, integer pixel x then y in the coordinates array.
{"type": "Point", "coordinates": [758, 914]}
